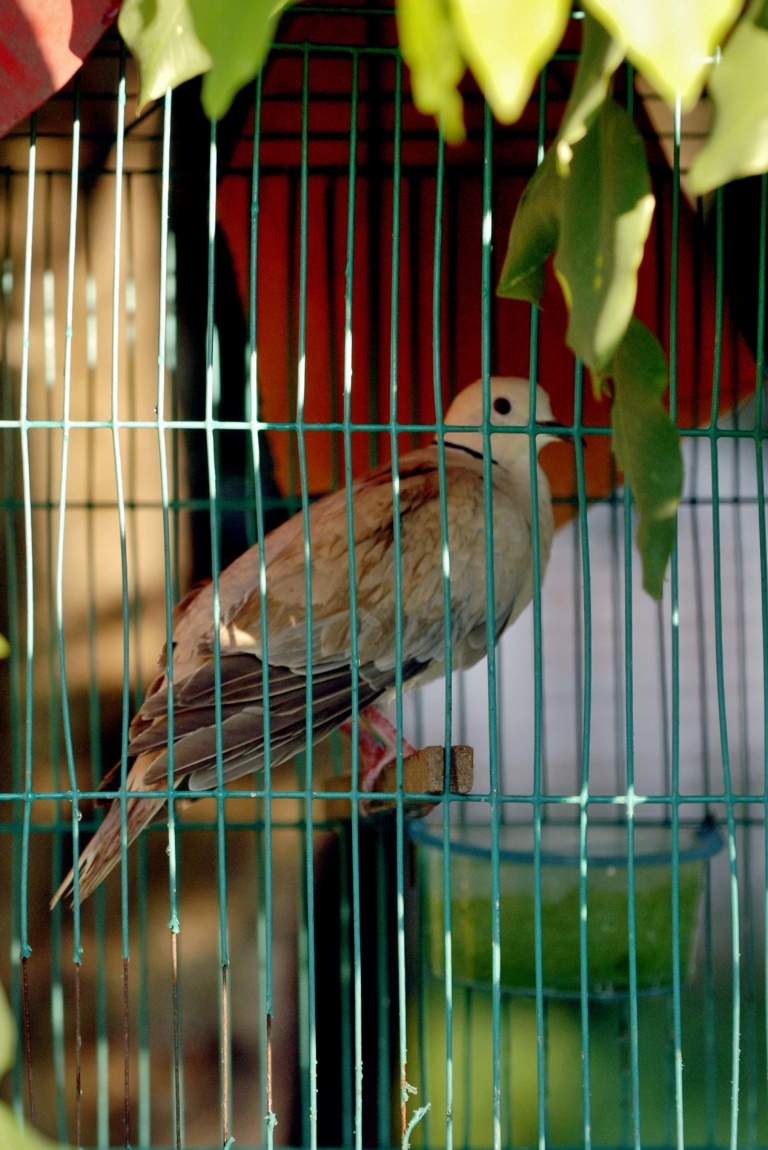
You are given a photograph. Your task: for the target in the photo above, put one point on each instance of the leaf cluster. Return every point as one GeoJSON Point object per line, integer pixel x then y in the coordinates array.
{"type": "Point", "coordinates": [505, 43]}
{"type": "Point", "coordinates": [589, 204]}
{"type": "Point", "coordinates": [175, 40]}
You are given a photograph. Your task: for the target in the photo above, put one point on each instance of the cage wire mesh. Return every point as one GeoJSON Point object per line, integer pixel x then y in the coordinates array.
{"type": "Point", "coordinates": [214, 325]}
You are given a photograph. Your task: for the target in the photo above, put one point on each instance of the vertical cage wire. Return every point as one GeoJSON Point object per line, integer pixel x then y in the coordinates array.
{"type": "Point", "coordinates": [674, 606]}
{"type": "Point", "coordinates": [264, 848]}
{"type": "Point", "coordinates": [355, 658]}
{"type": "Point", "coordinates": [446, 585]}
{"type": "Point", "coordinates": [23, 942]}
{"type": "Point", "coordinates": [490, 611]}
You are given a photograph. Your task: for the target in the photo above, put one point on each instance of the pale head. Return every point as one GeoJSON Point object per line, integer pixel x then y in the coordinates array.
{"type": "Point", "coordinates": [510, 407]}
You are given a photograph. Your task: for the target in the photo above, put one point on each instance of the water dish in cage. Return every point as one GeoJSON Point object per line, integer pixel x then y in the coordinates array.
{"type": "Point", "coordinates": [608, 950]}
{"type": "Point", "coordinates": [239, 739]}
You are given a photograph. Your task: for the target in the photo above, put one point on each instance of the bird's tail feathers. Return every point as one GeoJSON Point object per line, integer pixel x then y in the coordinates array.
{"type": "Point", "coordinates": [104, 851]}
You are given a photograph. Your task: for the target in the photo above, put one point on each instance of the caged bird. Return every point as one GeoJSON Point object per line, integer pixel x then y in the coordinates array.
{"type": "Point", "coordinates": [242, 657]}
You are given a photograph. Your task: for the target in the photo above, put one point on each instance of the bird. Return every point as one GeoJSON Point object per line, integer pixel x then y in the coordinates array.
{"type": "Point", "coordinates": [243, 659]}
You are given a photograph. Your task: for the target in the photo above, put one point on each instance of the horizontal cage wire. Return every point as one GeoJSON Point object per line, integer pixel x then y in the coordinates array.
{"type": "Point", "coordinates": [205, 328]}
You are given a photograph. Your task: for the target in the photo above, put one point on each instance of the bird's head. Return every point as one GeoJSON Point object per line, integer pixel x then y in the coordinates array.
{"type": "Point", "coordinates": [510, 407]}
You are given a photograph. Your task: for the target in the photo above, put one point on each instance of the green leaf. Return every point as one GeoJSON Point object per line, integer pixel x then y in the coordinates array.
{"type": "Point", "coordinates": [161, 35]}
{"type": "Point", "coordinates": [671, 41]}
{"type": "Point", "coordinates": [599, 59]}
{"type": "Point", "coordinates": [7, 1034]}
{"type": "Point", "coordinates": [237, 33]}
{"type": "Point", "coordinates": [5, 647]}
{"type": "Point", "coordinates": [606, 211]}
{"type": "Point", "coordinates": [738, 143]}
{"type": "Point", "coordinates": [646, 446]}
{"type": "Point", "coordinates": [534, 234]}
{"type": "Point", "coordinates": [431, 51]}
{"type": "Point", "coordinates": [14, 1137]}
{"type": "Point", "coordinates": [536, 226]}
{"type": "Point", "coordinates": [506, 44]}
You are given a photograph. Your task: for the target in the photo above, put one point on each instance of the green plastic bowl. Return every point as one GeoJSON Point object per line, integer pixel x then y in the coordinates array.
{"type": "Point", "coordinates": [607, 904]}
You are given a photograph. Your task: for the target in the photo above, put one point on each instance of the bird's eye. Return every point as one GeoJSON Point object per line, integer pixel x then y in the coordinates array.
{"type": "Point", "coordinates": [502, 405]}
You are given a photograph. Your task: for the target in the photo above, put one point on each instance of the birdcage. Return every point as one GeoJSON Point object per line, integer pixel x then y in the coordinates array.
{"type": "Point", "coordinates": [204, 328]}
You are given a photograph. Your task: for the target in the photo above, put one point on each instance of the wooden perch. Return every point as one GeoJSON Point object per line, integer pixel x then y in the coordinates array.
{"type": "Point", "coordinates": [423, 774]}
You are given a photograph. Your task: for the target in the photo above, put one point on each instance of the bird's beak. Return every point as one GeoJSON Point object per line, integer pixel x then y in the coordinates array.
{"type": "Point", "coordinates": [564, 435]}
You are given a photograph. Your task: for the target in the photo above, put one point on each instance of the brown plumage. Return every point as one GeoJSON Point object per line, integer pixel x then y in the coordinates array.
{"type": "Point", "coordinates": [242, 657]}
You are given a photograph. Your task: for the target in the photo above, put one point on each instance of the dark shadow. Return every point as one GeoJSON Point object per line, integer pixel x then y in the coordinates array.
{"type": "Point", "coordinates": [741, 251]}
{"type": "Point", "coordinates": [189, 218]}
{"type": "Point", "coordinates": [334, 974]}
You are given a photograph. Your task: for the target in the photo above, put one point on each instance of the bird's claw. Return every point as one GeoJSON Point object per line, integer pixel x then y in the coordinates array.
{"type": "Point", "coordinates": [377, 744]}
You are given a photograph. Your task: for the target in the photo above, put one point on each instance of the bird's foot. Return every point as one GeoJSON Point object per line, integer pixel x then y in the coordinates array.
{"type": "Point", "coordinates": [377, 744]}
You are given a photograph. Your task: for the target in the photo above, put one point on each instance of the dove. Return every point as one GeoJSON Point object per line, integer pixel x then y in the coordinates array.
{"type": "Point", "coordinates": [243, 660]}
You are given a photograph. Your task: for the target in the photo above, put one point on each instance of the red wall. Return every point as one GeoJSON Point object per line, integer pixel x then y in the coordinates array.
{"type": "Point", "coordinates": [330, 80]}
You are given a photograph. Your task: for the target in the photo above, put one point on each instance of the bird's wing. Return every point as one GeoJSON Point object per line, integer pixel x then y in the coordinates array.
{"type": "Point", "coordinates": [242, 714]}
{"type": "Point", "coordinates": [375, 559]}
{"type": "Point", "coordinates": [423, 626]}
{"type": "Point", "coordinates": [373, 554]}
